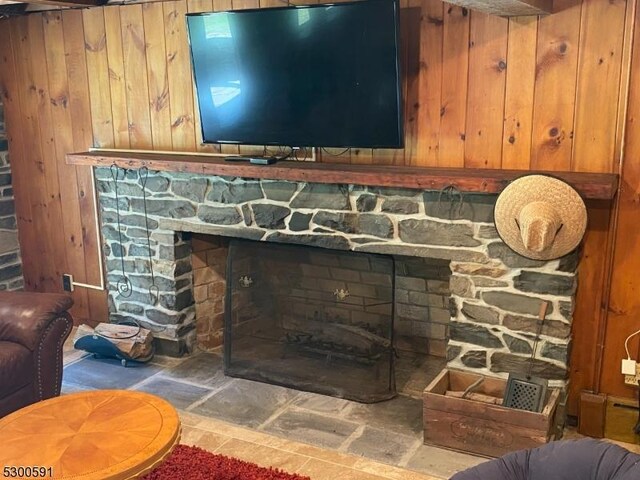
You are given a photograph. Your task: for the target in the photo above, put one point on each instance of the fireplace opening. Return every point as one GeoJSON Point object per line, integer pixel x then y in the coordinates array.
{"type": "Point", "coordinates": [312, 319]}
{"type": "Point", "coordinates": [356, 292]}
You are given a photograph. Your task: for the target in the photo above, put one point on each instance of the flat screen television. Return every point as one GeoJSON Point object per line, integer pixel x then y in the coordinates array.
{"type": "Point", "coordinates": [307, 76]}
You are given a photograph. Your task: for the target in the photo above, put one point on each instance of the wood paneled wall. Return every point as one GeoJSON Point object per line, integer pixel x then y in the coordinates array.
{"type": "Point", "coordinates": [480, 91]}
{"type": "Point", "coordinates": [624, 307]}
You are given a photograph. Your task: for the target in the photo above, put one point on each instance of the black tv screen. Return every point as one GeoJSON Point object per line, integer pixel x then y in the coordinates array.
{"type": "Point", "coordinates": [312, 76]}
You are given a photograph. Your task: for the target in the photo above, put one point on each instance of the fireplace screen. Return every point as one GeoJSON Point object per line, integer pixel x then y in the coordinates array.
{"type": "Point", "coordinates": [309, 318]}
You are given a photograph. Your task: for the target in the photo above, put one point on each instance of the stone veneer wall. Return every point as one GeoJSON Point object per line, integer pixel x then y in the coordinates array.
{"type": "Point", "coordinates": [10, 261]}
{"type": "Point", "coordinates": [495, 293]}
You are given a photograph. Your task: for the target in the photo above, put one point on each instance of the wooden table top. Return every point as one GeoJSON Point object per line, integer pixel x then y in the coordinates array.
{"type": "Point", "coordinates": [101, 434]}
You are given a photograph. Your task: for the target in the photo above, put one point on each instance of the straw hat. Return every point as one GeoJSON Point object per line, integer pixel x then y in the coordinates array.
{"type": "Point", "coordinates": [540, 217]}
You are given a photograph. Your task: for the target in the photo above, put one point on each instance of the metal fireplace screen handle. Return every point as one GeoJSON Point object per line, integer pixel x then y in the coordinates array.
{"type": "Point", "coordinates": [154, 290]}
{"type": "Point", "coordinates": [123, 286]}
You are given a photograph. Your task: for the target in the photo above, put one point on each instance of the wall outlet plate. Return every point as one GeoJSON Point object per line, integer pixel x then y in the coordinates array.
{"type": "Point", "coordinates": [67, 282]}
{"type": "Point", "coordinates": [628, 366]}
{"type": "Point", "coordinates": [633, 379]}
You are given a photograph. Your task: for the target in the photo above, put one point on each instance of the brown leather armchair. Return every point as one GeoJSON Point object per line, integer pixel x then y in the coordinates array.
{"type": "Point", "coordinates": [33, 328]}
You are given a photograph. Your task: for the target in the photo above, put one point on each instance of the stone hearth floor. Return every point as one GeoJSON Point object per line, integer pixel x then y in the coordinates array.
{"type": "Point", "coordinates": [322, 437]}
{"type": "Point", "coordinates": [312, 434]}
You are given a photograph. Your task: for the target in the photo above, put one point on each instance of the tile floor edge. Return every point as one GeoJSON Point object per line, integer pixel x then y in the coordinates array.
{"type": "Point", "coordinates": [249, 435]}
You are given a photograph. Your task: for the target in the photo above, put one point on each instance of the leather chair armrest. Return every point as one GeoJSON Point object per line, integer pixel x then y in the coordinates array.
{"type": "Point", "coordinates": [26, 317]}
{"type": "Point", "coordinates": [48, 356]}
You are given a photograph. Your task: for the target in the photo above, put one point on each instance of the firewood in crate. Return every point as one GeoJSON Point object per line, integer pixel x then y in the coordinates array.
{"type": "Point", "coordinates": [478, 397]}
{"type": "Point", "coordinates": [135, 342]}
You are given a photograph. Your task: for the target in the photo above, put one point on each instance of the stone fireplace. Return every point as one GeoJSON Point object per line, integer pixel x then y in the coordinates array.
{"type": "Point", "coordinates": [460, 292]}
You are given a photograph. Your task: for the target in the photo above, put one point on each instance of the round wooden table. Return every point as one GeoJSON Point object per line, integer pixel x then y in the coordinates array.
{"type": "Point", "coordinates": [101, 435]}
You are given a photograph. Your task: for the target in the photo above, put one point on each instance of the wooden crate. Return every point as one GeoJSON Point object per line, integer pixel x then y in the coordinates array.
{"type": "Point", "coordinates": [478, 427]}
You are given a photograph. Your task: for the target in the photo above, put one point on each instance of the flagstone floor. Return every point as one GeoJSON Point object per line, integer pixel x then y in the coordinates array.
{"type": "Point", "coordinates": [323, 437]}
{"type": "Point", "coordinates": [305, 432]}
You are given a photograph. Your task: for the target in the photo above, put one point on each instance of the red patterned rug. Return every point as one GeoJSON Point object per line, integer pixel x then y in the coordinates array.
{"type": "Point", "coordinates": [193, 463]}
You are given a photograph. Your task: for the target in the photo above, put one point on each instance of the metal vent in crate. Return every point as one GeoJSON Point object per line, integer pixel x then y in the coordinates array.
{"type": "Point", "coordinates": [525, 393]}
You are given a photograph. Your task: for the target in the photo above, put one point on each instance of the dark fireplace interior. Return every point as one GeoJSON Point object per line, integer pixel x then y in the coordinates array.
{"type": "Point", "coordinates": [312, 319]}
{"type": "Point", "coordinates": [348, 324]}
{"type": "Point", "coordinates": [341, 323]}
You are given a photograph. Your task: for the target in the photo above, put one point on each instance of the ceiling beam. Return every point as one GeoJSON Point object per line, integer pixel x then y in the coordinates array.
{"type": "Point", "coordinates": [508, 8]}
{"type": "Point", "coordinates": [69, 3]}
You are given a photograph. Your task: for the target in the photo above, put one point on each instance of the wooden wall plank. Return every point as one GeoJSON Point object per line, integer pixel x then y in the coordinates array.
{"type": "Point", "coordinates": [246, 4]}
{"type": "Point", "coordinates": [135, 75]}
{"type": "Point", "coordinates": [601, 319]}
{"type": "Point", "coordinates": [624, 310]}
{"type": "Point", "coordinates": [334, 155]}
{"type": "Point", "coordinates": [430, 85]}
{"type": "Point", "coordinates": [178, 68]}
{"type": "Point", "coordinates": [598, 85]}
{"type": "Point", "coordinates": [71, 223]}
{"type": "Point", "coordinates": [625, 77]}
{"type": "Point", "coordinates": [117, 86]}
{"type": "Point", "coordinates": [455, 79]}
{"type": "Point", "coordinates": [51, 213]}
{"type": "Point", "coordinates": [156, 55]}
{"type": "Point", "coordinates": [387, 156]}
{"type": "Point", "coordinates": [196, 6]}
{"type": "Point", "coordinates": [410, 13]}
{"type": "Point", "coordinates": [222, 5]}
{"type": "Point", "coordinates": [272, 3]}
{"type": "Point", "coordinates": [35, 275]}
{"type": "Point", "coordinates": [485, 102]}
{"type": "Point", "coordinates": [79, 98]}
{"type": "Point", "coordinates": [588, 302]}
{"type": "Point", "coordinates": [95, 40]}
{"type": "Point", "coordinates": [553, 107]}
{"type": "Point", "coordinates": [521, 71]}
{"type": "Point", "coordinates": [361, 156]}
{"type": "Point", "coordinates": [80, 107]}
{"type": "Point", "coordinates": [19, 146]}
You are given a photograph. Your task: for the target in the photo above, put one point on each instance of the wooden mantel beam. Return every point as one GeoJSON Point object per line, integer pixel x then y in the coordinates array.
{"type": "Point", "coordinates": [594, 186]}
{"type": "Point", "coordinates": [508, 8]}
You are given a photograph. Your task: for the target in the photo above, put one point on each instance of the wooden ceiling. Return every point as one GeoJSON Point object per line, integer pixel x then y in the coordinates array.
{"type": "Point", "coordinates": [504, 8]}
{"type": "Point", "coordinates": [69, 3]}
{"type": "Point", "coordinates": [55, 3]}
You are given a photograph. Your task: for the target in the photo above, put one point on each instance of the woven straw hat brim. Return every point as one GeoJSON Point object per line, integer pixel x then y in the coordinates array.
{"type": "Point", "coordinates": [534, 188]}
